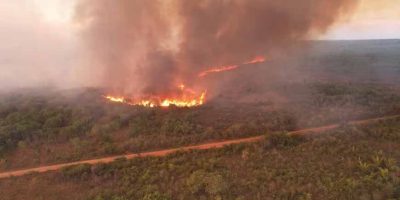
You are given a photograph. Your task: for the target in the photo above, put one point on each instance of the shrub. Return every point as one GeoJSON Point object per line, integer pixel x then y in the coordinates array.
{"type": "Point", "coordinates": [178, 127]}
{"type": "Point", "coordinates": [77, 128]}
{"type": "Point", "coordinates": [107, 128]}
{"type": "Point", "coordinates": [102, 170]}
{"type": "Point", "coordinates": [54, 122]}
{"type": "Point", "coordinates": [284, 140]}
{"type": "Point", "coordinates": [396, 192]}
{"type": "Point", "coordinates": [106, 195]}
{"type": "Point", "coordinates": [143, 125]}
{"type": "Point", "coordinates": [378, 173]}
{"type": "Point", "coordinates": [77, 172]}
{"type": "Point", "coordinates": [155, 196]}
{"type": "Point", "coordinates": [3, 162]}
{"type": "Point", "coordinates": [283, 121]}
{"type": "Point", "coordinates": [109, 148]}
{"type": "Point", "coordinates": [234, 129]}
{"type": "Point", "coordinates": [201, 182]}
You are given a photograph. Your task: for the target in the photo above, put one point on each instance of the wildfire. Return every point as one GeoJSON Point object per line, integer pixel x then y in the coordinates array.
{"type": "Point", "coordinates": [115, 99]}
{"type": "Point", "coordinates": [218, 69]}
{"type": "Point", "coordinates": [184, 98]}
{"type": "Point", "coordinates": [258, 59]}
{"type": "Point", "coordinates": [185, 102]}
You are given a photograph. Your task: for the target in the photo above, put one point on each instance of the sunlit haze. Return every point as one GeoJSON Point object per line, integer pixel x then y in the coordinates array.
{"type": "Point", "coordinates": [37, 35]}
{"type": "Point", "coordinates": [373, 19]}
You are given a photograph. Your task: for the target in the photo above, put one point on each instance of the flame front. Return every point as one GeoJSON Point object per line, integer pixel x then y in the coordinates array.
{"type": "Point", "coordinates": [258, 59]}
{"type": "Point", "coordinates": [185, 102]}
{"type": "Point", "coordinates": [184, 98]}
{"type": "Point", "coordinates": [218, 69]}
{"type": "Point", "coordinates": [115, 99]}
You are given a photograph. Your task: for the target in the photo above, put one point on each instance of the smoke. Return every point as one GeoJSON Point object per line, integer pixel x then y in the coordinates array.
{"type": "Point", "coordinates": [35, 51]}
{"type": "Point", "coordinates": [150, 46]}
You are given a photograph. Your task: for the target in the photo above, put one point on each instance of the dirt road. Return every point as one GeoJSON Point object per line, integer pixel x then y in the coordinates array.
{"type": "Point", "coordinates": [161, 153]}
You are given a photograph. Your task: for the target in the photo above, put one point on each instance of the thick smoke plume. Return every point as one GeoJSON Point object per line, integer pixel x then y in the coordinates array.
{"type": "Point", "coordinates": [151, 46]}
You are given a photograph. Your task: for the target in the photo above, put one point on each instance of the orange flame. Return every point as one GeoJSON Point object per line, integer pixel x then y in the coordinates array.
{"type": "Point", "coordinates": [218, 69]}
{"type": "Point", "coordinates": [185, 98]}
{"type": "Point", "coordinates": [258, 59]}
{"type": "Point", "coordinates": [115, 99]}
{"type": "Point", "coordinates": [185, 102]}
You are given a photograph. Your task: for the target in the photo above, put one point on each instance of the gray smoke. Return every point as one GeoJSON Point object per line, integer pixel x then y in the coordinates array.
{"type": "Point", "coordinates": [150, 46]}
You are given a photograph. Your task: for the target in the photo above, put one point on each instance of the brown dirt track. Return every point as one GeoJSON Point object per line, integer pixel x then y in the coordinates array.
{"type": "Point", "coordinates": [161, 153]}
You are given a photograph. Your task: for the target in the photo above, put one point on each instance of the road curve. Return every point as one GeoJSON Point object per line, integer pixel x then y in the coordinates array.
{"type": "Point", "coordinates": [214, 145]}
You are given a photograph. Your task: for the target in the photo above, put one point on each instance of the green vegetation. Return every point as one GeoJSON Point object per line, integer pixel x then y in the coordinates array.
{"type": "Point", "coordinates": [283, 140]}
{"type": "Point", "coordinates": [37, 129]}
{"type": "Point", "coordinates": [331, 102]}
{"type": "Point", "coordinates": [347, 163]}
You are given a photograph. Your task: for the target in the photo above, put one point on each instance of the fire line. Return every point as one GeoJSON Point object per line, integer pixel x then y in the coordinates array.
{"type": "Point", "coordinates": [258, 59]}
{"type": "Point", "coordinates": [185, 97]}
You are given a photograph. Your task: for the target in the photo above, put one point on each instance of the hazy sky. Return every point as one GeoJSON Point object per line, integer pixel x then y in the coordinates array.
{"type": "Point", "coordinates": [38, 43]}
{"type": "Point", "coordinates": [39, 39]}
{"type": "Point", "coordinates": [373, 19]}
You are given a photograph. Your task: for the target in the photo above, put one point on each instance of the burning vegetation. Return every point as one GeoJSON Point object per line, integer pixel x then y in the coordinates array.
{"type": "Point", "coordinates": [258, 59]}
{"type": "Point", "coordinates": [184, 97]}
{"type": "Point", "coordinates": [143, 49]}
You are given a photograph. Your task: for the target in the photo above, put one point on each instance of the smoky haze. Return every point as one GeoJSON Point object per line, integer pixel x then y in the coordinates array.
{"type": "Point", "coordinates": [34, 52]}
{"type": "Point", "coordinates": [150, 46]}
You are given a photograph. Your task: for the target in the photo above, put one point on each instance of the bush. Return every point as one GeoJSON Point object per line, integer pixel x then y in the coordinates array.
{"type": "Point", "coordinates": [178, 127]}
{"type": "Point", "coordinates": [212, 184]}
{"type": "Point", "coordinates": [155, 196]}
{"type": "Point", "coordinates": [145, 124]}
{"type": "Point", "coordinates": [77, 172]}
{"type": "Point", "coordinates": [109, 148]}
{"type": "Point", "coordinates": [102, 170]}
{"type": "Point", "coordinates": [77, 128]}
{"type": "Point", "coordinates": [284, 140]}
{"type": "Point", "coordinates": [54, 122]}
{"type": "Point", "coordinates": [107, 196]}
{"type": "Point", "coordinates": [396, 192]}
